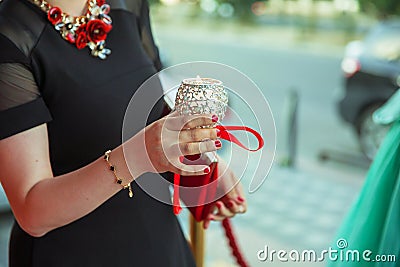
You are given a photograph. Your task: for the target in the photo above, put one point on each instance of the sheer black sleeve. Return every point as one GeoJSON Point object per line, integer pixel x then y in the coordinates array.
{"type": "Point", "coordinates": [21, 105]}
{"type": "Point", "coordinates": [147, 36]}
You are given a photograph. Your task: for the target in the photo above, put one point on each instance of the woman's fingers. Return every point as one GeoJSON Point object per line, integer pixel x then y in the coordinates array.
{"type": "Point", "coordinates": [232, 195]}
{"type": "Point", "coordinates": [198, 134]}
{"type": "Point", "coordinates": [241, 203]}
{"type": "Point", "coordinates": [235, 207]}
{"type": "Point", "coordinates": [175, 136]}
{"type": "Point", "coordinates": [237, 195]}
{"type": "Point", "coordinates": [224, 211]}
{"type": "Point", "coordinates": [235, 200]}
{"type": "Point", "coordinates": [227, 210]}
{"type": "Point", "coordinates": [206, 223]}
{"type": "Point", "coordinates": [199, 147]}
{"type": "Point", "coordinates": [190, 170]}
{"type": "Point", "coordinates": [239, 198]}
{"type": "Point", "coordinates": [177, 123]}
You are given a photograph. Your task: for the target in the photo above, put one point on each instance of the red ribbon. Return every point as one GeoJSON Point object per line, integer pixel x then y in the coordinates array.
{"type": "Point", "coordinates": [226, 135]}
{"type": "Point", "coordinates": [177, 205]}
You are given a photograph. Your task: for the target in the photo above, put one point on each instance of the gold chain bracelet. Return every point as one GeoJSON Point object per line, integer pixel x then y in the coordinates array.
{"type": "Point", "coordinates": [114, 170]}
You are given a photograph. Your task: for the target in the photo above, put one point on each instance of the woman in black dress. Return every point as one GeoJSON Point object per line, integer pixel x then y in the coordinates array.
{"type": "Point", "coordinates": [65, 83]}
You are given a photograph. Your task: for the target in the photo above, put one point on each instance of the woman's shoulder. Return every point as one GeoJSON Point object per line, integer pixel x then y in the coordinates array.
{"type": "Point", "coordinates": [20, 28]}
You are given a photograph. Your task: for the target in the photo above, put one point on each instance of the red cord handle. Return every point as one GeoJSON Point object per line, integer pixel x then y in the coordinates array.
{"type": "Point", "coordinates": [226, 135]}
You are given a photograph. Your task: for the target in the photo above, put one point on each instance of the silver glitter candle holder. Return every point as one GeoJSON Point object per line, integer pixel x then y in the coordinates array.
{"type": "Point", "coordinates": [201, 96]}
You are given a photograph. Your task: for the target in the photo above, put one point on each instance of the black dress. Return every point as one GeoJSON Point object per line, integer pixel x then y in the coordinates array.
{"type": "Point", "coordinates": [44, 79]}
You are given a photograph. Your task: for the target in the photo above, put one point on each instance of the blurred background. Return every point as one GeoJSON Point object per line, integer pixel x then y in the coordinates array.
{"type": "Point", "coordinates": [324, 66]}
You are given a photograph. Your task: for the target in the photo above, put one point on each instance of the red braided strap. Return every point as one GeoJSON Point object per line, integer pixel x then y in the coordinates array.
{"type": "Point", "coordinates": [176, 203]}
{"type": "Point", "coordinates": [233, 244]}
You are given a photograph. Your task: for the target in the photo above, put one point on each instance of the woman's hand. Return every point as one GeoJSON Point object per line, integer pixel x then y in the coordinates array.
{"type": "Point", "coordinates": [171, 137]}
{"type": "Point", "coordinates": [231, 203]}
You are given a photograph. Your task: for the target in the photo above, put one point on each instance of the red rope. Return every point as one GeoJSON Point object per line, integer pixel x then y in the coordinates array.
{"type": "Point", "coordinates": [226, 223]}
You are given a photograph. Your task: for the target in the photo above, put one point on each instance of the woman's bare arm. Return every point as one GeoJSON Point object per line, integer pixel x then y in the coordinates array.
{"type": "Point", "coordinates": [42, 202]}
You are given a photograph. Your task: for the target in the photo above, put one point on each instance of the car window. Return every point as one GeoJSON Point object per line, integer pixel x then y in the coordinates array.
{"type": "Point", "coordinates": [384, 44]}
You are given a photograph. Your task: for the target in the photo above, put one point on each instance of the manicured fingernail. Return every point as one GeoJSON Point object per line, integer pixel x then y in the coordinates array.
{"type": "Point", "coordinates": [218, 133]}
{"type": "Point", "coordinates": [212, 218]}
{"type": "Point", "coordinates": [240, 199]}
{"type": "Point", "coordinates": [214, 118]}
{"type": "Point", "coordinates": [230, 204]}
{"type": "Point", "coordinates": [218, 143]}
{"type": "Point", "coordinates": [218, 205]}
{"type": "Point", "coordinates": [207, 170]}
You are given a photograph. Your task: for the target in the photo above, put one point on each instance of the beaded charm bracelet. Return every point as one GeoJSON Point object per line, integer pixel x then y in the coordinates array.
{"type": "Point", "coordinates": [114, 170]}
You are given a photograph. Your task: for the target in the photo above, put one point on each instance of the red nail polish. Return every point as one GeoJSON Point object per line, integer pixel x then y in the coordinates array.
{"type": "Point", "coordinates": [218, 205]}
{"type": "Point", "coordinates": [207, 170]}
{"type": "Point", "coordinates": [214, 118]}
{"type": "Point", "coordinates": [218, 133]}
{"type": "Point", "coordinates": [218, 143]}
{"type": "Point", "coordinates": [240, 199]}
{"type": "Point", "coordinates": [230, 204]}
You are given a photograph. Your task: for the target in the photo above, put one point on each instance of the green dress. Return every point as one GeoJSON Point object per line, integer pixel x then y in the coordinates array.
{"type": "Point", "coordinates": [373, 224]}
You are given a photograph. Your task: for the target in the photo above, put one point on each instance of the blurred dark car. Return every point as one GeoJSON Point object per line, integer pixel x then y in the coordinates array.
{"type": "Point", "coordinates": [371, 69]}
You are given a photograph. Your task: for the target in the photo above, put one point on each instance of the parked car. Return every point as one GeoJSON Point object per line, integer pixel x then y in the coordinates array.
{"type": "Point", "coordinates": [371, 71]}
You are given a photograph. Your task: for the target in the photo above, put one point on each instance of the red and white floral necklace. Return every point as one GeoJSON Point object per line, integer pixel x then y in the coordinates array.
{"type": "Point", "coordinates": [89, 30]}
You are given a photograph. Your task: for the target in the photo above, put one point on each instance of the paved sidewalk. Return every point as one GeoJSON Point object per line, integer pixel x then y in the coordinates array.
{"type": "Point", "coordinates": [294, 209]}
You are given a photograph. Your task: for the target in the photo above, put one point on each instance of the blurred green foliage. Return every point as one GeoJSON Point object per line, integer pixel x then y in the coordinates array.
{"type": "Point", "coordinates": [243, 8]}
{"type": "Point", "coordinates": [381, 8]}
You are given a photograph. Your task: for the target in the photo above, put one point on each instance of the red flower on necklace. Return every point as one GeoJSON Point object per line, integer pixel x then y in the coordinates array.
{"type": "Point", "coordinates": [97, 30]}
{"type": "Point", "coordinates": [81, 40]}
{"type": "Point", "coordinates": [100, 2]}
{"type": "Point", "coordinates": [54, 15]}
{"type": "Point", "coordinates": [70, 38]}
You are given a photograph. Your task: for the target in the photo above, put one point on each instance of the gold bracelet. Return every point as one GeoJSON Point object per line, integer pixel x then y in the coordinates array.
{"type": "Point", "coordinates": [114, 170]}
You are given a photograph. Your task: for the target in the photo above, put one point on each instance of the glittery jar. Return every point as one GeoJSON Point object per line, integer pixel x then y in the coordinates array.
{"type": "Point", "coordinates": [201, 96]}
